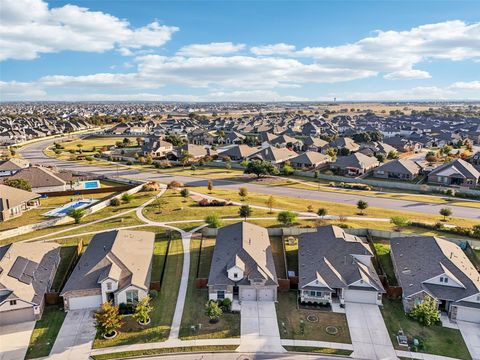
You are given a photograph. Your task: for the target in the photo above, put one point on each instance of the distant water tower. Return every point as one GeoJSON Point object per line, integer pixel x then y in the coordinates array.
{"type": "Point", "coordinates": [334, 99]}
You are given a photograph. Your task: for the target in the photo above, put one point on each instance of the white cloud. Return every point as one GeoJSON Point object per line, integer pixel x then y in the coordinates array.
{"type": "Point", "coordinates": [273, 49]}
{"type": "Point", "coordinates": [407, 75]}
{"type": "Point", "coordinates": [13, 89]}
{"type": "Point", "coordinates": [29, 27]}
{"type": "Point", "coordinates": [471, 85]}
{"type": "Point", "coordinates": [211, 49]}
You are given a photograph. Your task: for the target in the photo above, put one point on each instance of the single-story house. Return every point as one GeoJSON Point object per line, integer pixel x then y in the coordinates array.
{"type": "Point", "coordinates": [12, 166]}
{"type": "Point", "coordinates": [242, 265]}
{"type": "Point", "coordinates": [41, 179]}
{"type": "Point", "coordinates": [156, 147]}
{"type": "Point", "coordinates": [437, 268]}
{"type": "Point", "coordinates": [354, 164]}
{"type": "Point", "coordinates": [27, 271]}
{"type": "Point", "coordinates": [336, 266]}
{"type": "Point", "coordinates": [455, 173]}
{"type": "Point", "coordinates": [401, 169]}
{"type": "Point", "coordinates": [273, 155]}
{"type": "Point", "coordinates": [13, 202]}
{"type": "Point", "coordinates": [309, 160]}
{"type": "Point", "coordinates": [115, 267]}
{"type": "Point", "coordinates": [238, 152]}
{"type": "Point", "coordinates": [314, 144]}
{"type": "Point", "coordinates": [345, 142]}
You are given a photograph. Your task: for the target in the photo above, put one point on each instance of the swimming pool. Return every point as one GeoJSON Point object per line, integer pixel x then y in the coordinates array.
{"type": "Point", "coordinates": [94, 184]}
{"type": "Point", "coordinates": [63, 210]}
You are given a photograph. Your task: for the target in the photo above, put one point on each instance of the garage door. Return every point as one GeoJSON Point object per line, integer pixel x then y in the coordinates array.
{"type": "Point", "coordinates": [17, 316]}
{"type": "Point", "coordinates": [266, 295]}
{"type": "Point", "coordinates": [468, 314]}
{"type": "Point", "coordinates": [248, 294]}
{"type": "Point", "coordinates": [360, 296]}
{"type": "Point", "coordinates": [84, 302]}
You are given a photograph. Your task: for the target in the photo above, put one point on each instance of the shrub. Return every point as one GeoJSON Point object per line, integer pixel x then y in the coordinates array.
{"type": "Point", "coordinates": [151, 186]}
{"type": "Point", "coordinates": [287, 170]}
{"type": "Point", "coordinates": [243, 193]}
{"type": "Point", "coordinates": [184, 193]}
{"type": "Point", "coordinates": [143, 310]}
{"type": "Point", "coordinates": [212, 310]}
{"type": "Point", "coordinates": [129, 162]}
{"type": "Point", "coordinates": [213, 220]}
{"type": "Point", "coordinates": [399, 221]}
{"type": "Point", "coordinates": [115, 202]}
{"type": "Point", "coordinates": [226, 304]}
{"type": "Point", "coordinates": [127, 197]}
{"type": "Point", "coordinates": [153, 293]}
{"type": "Point", "coordinates": [89, 158]}
{"type": "Point", "coordinates": [426, 312]}
{"type": "Point", "coordinates": [287, 217]}
{"type": "Point", "coordinates": [76, 214]}
{"type": "Point", "coordinates": [322, 212]}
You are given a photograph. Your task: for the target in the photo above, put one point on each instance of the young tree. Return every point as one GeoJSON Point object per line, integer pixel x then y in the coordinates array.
{"type": "Point", "coordinates": [185, 158]}
{"type": "Point", "coordinates": [322, 212]}
{"type": "Point", "coordinates": [245, 211]}
{"type": "Point", "coordinates": [80, 148]}
{"type": "Point", "coordinates": [210, 186]}
{"type": "Point", "coordinates": [127, 198]}
{"type": "Point", "coordinates": [288, 169]}
{"type": "Point", "coordinates": [108, 319]}
{"type": "Point", "coordinates": [213, 221]}
{"type": "Point", "coordinates": [243, 193]}
{"type": "Point", "coordinates": [287, 217]}
{"type": "Point", "coordinates": [270, 203]}
{"type": "Point", "coordinates": [261, 168]}
{"type": "Point", "coordinates": [142, 310]}
{"type": "Point", "coordinates": [76, 214]}
{"type": "Point", "coordinates": [184, 193]}
{"type": "Point", "coordinates": [126, 141]}
{"type": "Point", "coordinates": [21, 184]}
{"type": "Point", "coordinates": [446, 212]}
{"type": "Point", "coordinates": [362, 205]}
{"type": "Point", "coordinates": [139, 141]}
{"type": "Point", "coordinates": [426, 312]}
{"type": "Point", "coordinates": [213, 311]}
{"type": "Point", "coordinates": [399, 222]}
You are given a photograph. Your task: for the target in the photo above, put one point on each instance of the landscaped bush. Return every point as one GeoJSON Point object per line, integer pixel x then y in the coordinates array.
{"type": "Point", "coordinates": [153, 293]}
{"type": "Point", "coordinates": [207, 202]}
{"type": "Point", "coordinates": [151, 186]}
{"type": "Point", "coordinates": [354, 186]}
{"type": "Point", "coordinates": [115, 202]}
{"type": "Point", "coordinates": [174, 185]}
{"type": "Point", "coordinates": [129, 162]}
{"type": "Point", "coordinates": [457, 230]}
{"type": "Point", "coordinates": [126, 309]}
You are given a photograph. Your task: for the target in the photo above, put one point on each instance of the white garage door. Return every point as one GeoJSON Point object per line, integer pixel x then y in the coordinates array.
{"type": "Point", "coordinates": [360, 296]}
{"type": "Point", "coordinates": [468, 314]}
{"type": "Point", "coordinates": [266, 295]}
{"type": "Point", "coordinates": [17, 316]}
{"type": "Point", "coordinates": [248, 294]}
{"type": "Point", "coordinates": [85, 302]}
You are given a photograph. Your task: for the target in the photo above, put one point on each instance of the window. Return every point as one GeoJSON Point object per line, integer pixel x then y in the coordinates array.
{"type": "Point", "coordinates": [132, 296]}
{"type": "Point", "coordinates": [109, 286]}
{"type": "Point", "coordinates": [235, 275]}
{"type": "Point", "coordinates": [220, 294]}
{"type": "Point", "coordinates": [13, 302]}
{"type": "Point", "coordinates": [443, 279]}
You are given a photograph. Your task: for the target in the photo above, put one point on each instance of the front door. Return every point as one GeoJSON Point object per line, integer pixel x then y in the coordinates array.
{"type": "Point", "coordinates": [111, 297]}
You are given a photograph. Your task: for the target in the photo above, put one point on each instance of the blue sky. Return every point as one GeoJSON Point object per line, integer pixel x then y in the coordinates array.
{"type": "Point", "coordinates": [240, 50]}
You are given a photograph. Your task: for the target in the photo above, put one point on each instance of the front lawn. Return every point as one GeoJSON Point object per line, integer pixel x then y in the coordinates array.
{"type": "Point", "coordinates": [163, 304]}
{"type": "Point", "coordinates": [289, 318]}
{"type": "Point", "coordinates": [194, 310]}
{"type": "Point", "coordinates": [45, 332]}
{"type": "Point", "coordinates": [436, 339]}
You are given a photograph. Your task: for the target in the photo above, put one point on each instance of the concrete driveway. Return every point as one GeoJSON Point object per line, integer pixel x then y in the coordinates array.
{"type": "Point", "coordinates": [259, 328]}
{"type": "Point", "coordinates": [369, 334]}
{"type": "Point", "coordinates": [471, 336]}
{"type": "Point", "coordinates": [14, 340]}
{"type": "Point", "coordinates": [74, 341]}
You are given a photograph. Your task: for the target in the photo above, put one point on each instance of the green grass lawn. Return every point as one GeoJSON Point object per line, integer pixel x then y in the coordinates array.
{"type": "Point", "coordinates": [164, 307]}
{"type": "Point", "coordinates": [278, 258]}
{"type": "Point", "coordinates": [151, 352]}
{"type": "Point", "coordinates": [208, 245]}
{"type": "Point", "coordinates": [45, 332]}
{"type": "Point", "coordinates": [177, 208]}
{"type": "Point", "coordinates": [289, 321]}
{"type": "Point", "coordinates": [194, 311]}
{"type": "Point", "coordinates": [383, 255]}
{"type": "Point", "coordinates": [326, 351]}
{"type": "Point", "coordinates": [159, 256]}
{"type": "Point", "coordinates": [291, 253]}
{"type": "Point", "coordinates": [436, 339]}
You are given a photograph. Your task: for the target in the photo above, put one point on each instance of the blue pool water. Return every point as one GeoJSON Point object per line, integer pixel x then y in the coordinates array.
{"type": "Point", "coordinates": [91, 184]}
{"type": "Point", "coordinates": [75, 205]}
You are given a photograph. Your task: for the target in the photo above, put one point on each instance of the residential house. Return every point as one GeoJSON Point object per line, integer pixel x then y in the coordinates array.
{"type": "Point", "coordinates": [437, 268]}
{"type": "Point", "coordinates": [455, 173]}
{"type": "Point", "coordinates": [242, 265]}
{"type": "Point", "coordinates": [238, 152]}
{"type": "Point", "coordinates": [41, 179]}
{"type": "Point", "coordinates": [401, 169]}
{"type": "Point", "coordinates": [115, 267]}
{"type": "Point", "coordinates": [156, 147]}
{"type": "Point", "coordinates": [14, 202]}
{"type": "Point", "coordinates": [27, 271]}
{"type": "Point", "coordinates": [336, 266]}
{"type": "Point", "coordinates": [234, 138]}
{"type": "Point", "coordinates": [309, 160]}
{"type": "Point", "coordinates": [12, 166]}
{"type": "Point", "coordinates": [273, 155]}
{"type": "Point", "coordinates": [354, 164]}
{"type": "Point", "coordinates": [315, 144]}
{"type": "Point", "coordinates": [345, 142]}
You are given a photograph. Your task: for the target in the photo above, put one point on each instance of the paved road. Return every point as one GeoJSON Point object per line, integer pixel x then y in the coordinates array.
{"type": "Point", "coordinates": [34, 153]}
